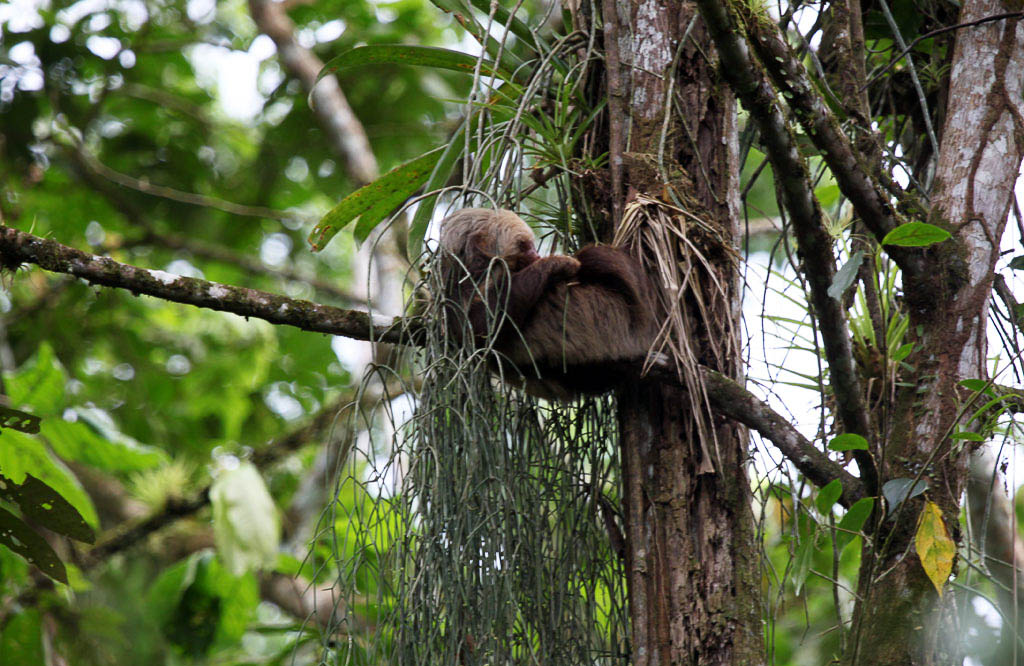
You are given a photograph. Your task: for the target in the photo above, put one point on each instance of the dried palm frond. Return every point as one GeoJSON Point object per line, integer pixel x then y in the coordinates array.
{"type": "Point", "coordinates": [681, 250]}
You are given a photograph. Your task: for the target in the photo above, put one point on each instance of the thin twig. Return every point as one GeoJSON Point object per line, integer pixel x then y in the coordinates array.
{"type": "Point", "coordinates": [616, 113]}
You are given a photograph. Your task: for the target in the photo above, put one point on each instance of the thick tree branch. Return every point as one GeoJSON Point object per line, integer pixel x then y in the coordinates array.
{"type": "Point", "coordinates": [732, 400]}
{"type": "Point", "coordinates": [726, 396]}
{"type": "Point", "coordinates": [853, 176]}
{"type": "Point", "coordinates": [17, 247]}
{"type": "Point", "coordinates": [814, 243]}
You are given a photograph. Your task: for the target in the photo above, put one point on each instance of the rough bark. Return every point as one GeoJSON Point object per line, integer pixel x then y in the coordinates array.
{"type": "Point", "coordinates": [899, 618]}
{"type": "Point", "coordinates": [691, 557]}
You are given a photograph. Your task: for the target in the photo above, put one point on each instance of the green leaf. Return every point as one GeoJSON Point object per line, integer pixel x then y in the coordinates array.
{"type": "Point", "coordinates": [802, 561]}
{"type": "Point", "coordinates": [828, 496]}
{"type": "Point", "coordinates": [915, 234]}
{"type": "Point", "coordinates": [245, 523]}
{"type": "Point", "coordinates": [22, 638]}
{"type": "Point", "coordinates": [969, 436]}
{"type": "Point", "coordinates": [853, 521]}
{"type": "Point", "coordinates": [21, 454]}
{"type": "Point", "coordinates": [44, 506]}
{"type": "Point", "coordinates": [374, 201]}
{"type": "Point", "coordinates": [38, 384]}
{"type": "Point", "coordinates": [95, 441]}
{"type": "Point", "coordinates": [848, 442]}
{"type": "Point", "coordinates": [846, 275]}
{"type": "Point", "coordinates": [502, 16]}
{"type": "Point", "coordinates": [1017, 263]}
{"type": "Point", "coordinates": [903, 352]}
{"type": "Point", "coordinates": [977, 385]}
{"type": "Point", "coordinates": [897, 491]}
{"type": "Point", "coordinates": [935, 549]}
{"type": "Point", "coordinates": [408, 54]}
{"type": "Point", "coordinates": [24, 541]}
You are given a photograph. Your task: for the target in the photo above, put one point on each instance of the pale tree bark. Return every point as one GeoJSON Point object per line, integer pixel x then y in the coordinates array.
{"type": "Point", "coordinates": [691, 557]}
{"type": "Point", "coordinates": [899, 618]}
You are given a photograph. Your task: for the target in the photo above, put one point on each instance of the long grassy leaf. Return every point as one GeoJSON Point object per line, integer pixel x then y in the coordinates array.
{"type": "Point", "coordinates": [374, 201]}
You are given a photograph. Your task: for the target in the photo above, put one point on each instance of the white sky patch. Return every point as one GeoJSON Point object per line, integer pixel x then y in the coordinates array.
{"type": "Point", "coordinates": [21, 15]}
{"type": "Point", "coordinates": [103, 47]}
{"type": "Point", "coordinates": [330, 31]}
{"type": "Point", "coordinates": [232, 75]}
{"type": "Point", "coordinates": [201, 11]}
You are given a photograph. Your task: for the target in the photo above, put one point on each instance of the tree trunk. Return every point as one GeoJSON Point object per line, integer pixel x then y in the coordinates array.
{"type": "Point", "coordinates": [692, 560]}
{"type": "Point", "coordinates": [899, 617]}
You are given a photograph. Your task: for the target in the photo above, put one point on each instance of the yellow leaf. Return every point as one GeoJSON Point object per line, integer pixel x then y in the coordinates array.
{"type": "Point", "coordinates": [935, 549]}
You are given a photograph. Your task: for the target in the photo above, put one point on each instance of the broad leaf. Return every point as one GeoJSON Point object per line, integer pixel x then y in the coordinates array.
{"type": "Point", "coordinates": [897, 491]}
{"type": "Point", "coordinates": [848, 442]}
{"type": "Point", "coordinates": [374, 201]}
{"type": "Point", "coordinates": [852, 523]}
{"type": "Point", "coordinates": [828, 496]}
{"type": "Point", "coordinates": [24, 541]}
{"type": "Point", "coordinates": [915, 234]}
{"type": "Point", "coordinates": [935, 549]}
{"type": "Point", "coordinates": [46, 507]}
{"type": "Point", "coordinates": [802, 561]}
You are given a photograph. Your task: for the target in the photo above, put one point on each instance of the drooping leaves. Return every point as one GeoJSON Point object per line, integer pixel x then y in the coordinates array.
{"type": "Point", "coordinates": [408, 54]}
{"type": "Point", "coordinates": [371, 203]}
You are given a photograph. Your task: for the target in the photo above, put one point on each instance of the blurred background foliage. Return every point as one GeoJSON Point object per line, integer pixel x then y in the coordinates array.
{"type": "Point", "coordinates": [127, 128]}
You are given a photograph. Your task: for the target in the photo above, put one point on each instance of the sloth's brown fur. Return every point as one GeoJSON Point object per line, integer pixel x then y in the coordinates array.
{"type": "Point", "coordinates": [566, 325]}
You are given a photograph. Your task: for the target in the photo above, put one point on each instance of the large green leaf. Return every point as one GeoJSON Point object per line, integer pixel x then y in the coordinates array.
{"type": "Point", "coordinates": [93, 440]}
{"type": "Point", "coordinates": [24, 541]}
{"type": "Point", "coordinates": [915, 234]}
{"type": "Point", "coordinates": [21, 454]}
{"type": "Point", "coordinates": [371, 203]}
{"type": "Point", "coordinates": [46, 507]}
{"type": "Point", "coordinates": [38, 384]}
{"type": "Point", "coordinates": [408, 54]}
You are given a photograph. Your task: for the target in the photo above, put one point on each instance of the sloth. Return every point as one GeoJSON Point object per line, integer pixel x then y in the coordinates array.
{"type": "Point", "coordinates": [561, 325]}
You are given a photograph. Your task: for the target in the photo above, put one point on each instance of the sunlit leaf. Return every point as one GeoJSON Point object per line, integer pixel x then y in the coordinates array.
{"type": "Point", "coordinates": [915, 234]}
{"type": "Point", "coordinates": [903, 352]}
{"type": "Point", "coordinates": [935, 549]}
{"type": "Point", "coordinates": [848, 442]}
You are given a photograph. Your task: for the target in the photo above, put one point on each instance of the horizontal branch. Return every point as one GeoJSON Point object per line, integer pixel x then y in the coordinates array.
{"type": "Point", "coordinates": [726, 396]}
{"type": "Point", "coordinates": [731, 400]}
{"type": "Point", "coordinates": [18, 247]}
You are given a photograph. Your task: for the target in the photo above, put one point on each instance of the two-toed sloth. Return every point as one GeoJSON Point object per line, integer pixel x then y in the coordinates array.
{"type": "Point", "coordinates": [560, 325]}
